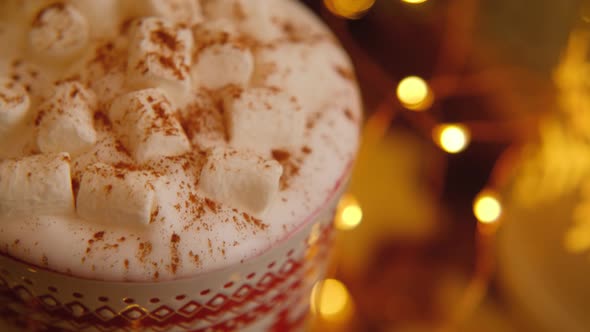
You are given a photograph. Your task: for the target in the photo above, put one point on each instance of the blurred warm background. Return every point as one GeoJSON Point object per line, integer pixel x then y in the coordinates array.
{"type": "Point", "coordinates": [471, 106]}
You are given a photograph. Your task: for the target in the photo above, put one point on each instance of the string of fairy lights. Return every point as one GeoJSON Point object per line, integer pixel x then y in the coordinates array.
{"type": "Point", "coordinates": [330, 299]}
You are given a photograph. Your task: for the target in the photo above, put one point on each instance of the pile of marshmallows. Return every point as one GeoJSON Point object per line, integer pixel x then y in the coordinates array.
{"type": "Point", "coordinates": [161, 70]}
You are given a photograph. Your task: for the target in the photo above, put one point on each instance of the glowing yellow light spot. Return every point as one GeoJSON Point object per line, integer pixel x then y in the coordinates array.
{"type": "Point", "coordinates": [349, 8]}
{"type": "Point", "coordinates": [349, 214]}
{"type": "Point", "coordinates": [453, 138]}
{"type": "Point", "coordinates": [414, 93]}
{"type": "Point", "coordinates": [330, 300]}
{"type": "Point", "coordinates": [414, 1]}
{"type": "Point", "coordinates": [487, 208]}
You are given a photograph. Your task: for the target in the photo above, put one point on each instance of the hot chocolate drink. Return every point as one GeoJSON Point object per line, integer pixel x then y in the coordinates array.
{"type": "Point", "coordinates": [151, 141]}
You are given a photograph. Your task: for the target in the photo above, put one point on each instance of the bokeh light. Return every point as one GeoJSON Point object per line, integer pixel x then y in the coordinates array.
{"type": "Point", "coordinates": [487, 207]}
{"type": "Point", "coordinates": [453, 138]}
{"type": "Point", "coordinates": [414, 1]}
{"type": "Point", "coordinates": [414, 93]}
{"type": "Point", "coordinates": [330, 300]}
{"type": "Point", "coordinates": [349, 214]}
{"type": "Point", "coordinates": [351, 9]}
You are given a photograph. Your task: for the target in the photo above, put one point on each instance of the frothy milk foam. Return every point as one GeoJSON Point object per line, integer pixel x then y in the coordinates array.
{"type": "Point", "coordinates": [153, 140]}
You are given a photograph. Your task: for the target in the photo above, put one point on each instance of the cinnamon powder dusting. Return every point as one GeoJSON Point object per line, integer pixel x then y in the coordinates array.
{"type": "Point", "coordinates": [345, 73]}
{"type": "Point", "coordinates": [45, 260]}
{"type": "Point", "coordinates": [164, 38]}
{"type": "Point", "coordinates": [145, 248]}
{"type": "Point", "coordinates": [291, 166]}
{"type": "Point", "coordinates": [174, 256]}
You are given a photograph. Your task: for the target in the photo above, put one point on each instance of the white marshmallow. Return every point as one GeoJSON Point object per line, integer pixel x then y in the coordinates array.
{"type": "Point", "coordinates": [319, 75]}
{"type": "Point", "coordinates": [253, 17]}
{"type": "Point", "coordinates": [219, 65]}
{"type": "Point", "coordinates": [106, 150]}
{"type": "Point", "coordinates": [241, 179]}
{"type": "Point", "coordinates": [103, 16]}
{"type": "Point", "coordinates": [65, 121]}
{"type": "Point", "coordinates": [178, 11]}
{"type": "Point", "coordinates": [263, 118]}
{"type": "Point", "coordinates": [14, 104]}
{"type": "Point", "coordinates": [120, 196]}
{"type": "Point", "coordinates": [203, 120]}
{"type": "Point", "coordinates": [147, 126]}
{"type": "Point", "coordinates": [36, 185]}
{"type": "Point", "coordinates": [160, 55]}
{"type": "Point", "coordinates": [59, 32]}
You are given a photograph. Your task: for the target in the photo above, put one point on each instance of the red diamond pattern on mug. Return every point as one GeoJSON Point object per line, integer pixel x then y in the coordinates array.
{"type": "Point", "coordinates": [134, 313]}
{"type": "Point", "coordinates": [162, 313]}
{"type": "Point", "coordinates": [253, 299]}
{"type": "Point", "coordinates": [49, 302]}
{"type": "Point", "coordinates": [76, 309]}
{"type": "Point", "coordinates": [190, 309]}
{"type": "Point", "coordinates": [105, 313]}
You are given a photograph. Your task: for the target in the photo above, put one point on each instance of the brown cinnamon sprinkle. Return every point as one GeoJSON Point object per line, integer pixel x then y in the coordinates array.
{"type": "Point", "coordinates": [345, 73]}
{"type": "Point", "coordinates": [290, 165]}
{"type": "Point", "coordinates": [164, 38]}
{"type": "Point", "coordinates": [174, 256]}
{"type": "Point", "coordinates": [280, 155]}
{"type": "Point", "coordinates": [102, 119]}
{"type": "Point", "coordinates": [255, 221]}
{"type": "Point", "coordinates": [348, 114]}
{"type": "Point", "coordinates": [211, 205]}
{"type": "Point", "coordinates": [99, 235]}
{"type": "Point", "coordinates": [145, 248]}
{"type": "Point", "coordinates": [154, 214]}
{"type": "Point", "coordinates": [196, 258]}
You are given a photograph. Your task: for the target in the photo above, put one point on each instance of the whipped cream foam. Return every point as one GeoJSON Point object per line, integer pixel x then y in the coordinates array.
{"type": "Point", "coordinates": [154, 140]}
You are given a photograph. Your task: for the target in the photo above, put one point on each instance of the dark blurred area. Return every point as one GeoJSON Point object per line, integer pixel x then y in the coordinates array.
{"type": "Point", "coordinates": [419, 260]}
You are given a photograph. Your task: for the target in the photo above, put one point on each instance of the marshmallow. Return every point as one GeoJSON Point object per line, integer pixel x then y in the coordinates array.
{"type": "Point", "coordinates": [103, 16]}
{"type": "Point", "coordinates": [147, 125]}
{"type": "Point", "coordinates": [106, 150]}
{"type": "Point", "coordinates": [160, 55]}
{"type": "Point", "coordinates": [318, 75]}
{"type": "Point", "coordinates": [253, 17]}
{"type": "Point", "coordinates": [178, 11]}
{"type": "Point", "coordinates": [222, 64]}
{"type": "Point", "coordinates": [59, 31]}
{"type": "Point", "coordinates": [36, 185]}
{"type": "Point", "coordinates": [263, 118]}
{"type": "Point", "coordinates": [65, 121]}
{"type": "Point", "coordinates": [203, 120]}
{"type": "Point", "coordinates": [14, 104]}
{"type": "Point", "coordinates": [241, 179]}
{"type": "Point", "coordinates": [117, 195]}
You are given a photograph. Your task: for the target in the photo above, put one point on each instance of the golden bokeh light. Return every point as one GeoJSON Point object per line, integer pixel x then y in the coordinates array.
{"type": "Point", "coordinates": [351, 9]}
{"type": "Point", "coordinates": [414, 93]}
{"type": "Point", "coordinates": [453, 138]}
{"type": "Point", "coordinates": [330, 300]}
{"type": "Point", "coordinates": [414, 1]}
{"type": "Point", "coordinates": [349, 214]}
{"type": "Point", "coordinates": [487, 207]}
